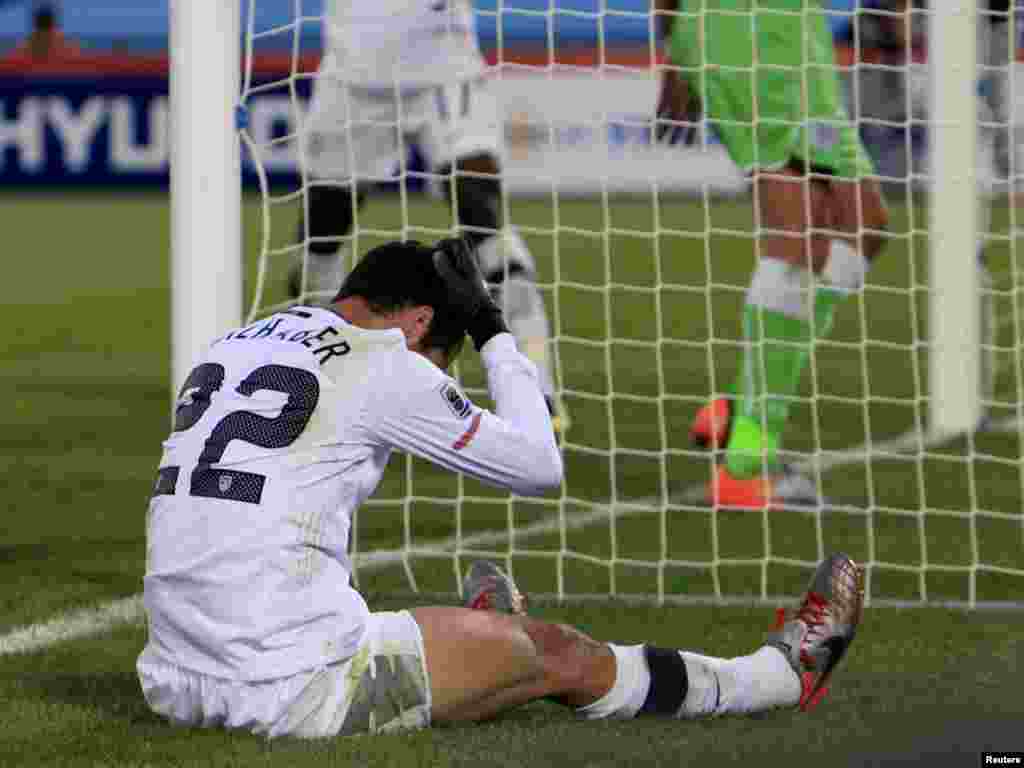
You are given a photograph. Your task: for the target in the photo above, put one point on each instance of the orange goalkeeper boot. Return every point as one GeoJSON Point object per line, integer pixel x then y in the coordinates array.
{"type": "Point", "coordinates": [787, 488]}
{"type": "Point", "coordinates": [712, 424]}
{"type": "Point", "coordinates": [724, 490]}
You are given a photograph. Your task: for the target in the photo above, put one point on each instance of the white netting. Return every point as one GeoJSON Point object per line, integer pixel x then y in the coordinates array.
{"type": "Point", "coordinates": [644, 254]}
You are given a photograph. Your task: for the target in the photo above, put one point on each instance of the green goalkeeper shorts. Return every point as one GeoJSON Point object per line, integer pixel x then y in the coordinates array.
{"type": "Point", "coordinates": [765, 73]}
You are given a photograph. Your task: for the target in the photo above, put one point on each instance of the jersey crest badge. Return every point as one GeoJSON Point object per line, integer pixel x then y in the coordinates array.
{"type": "Point", "coordinates": [457, 402]}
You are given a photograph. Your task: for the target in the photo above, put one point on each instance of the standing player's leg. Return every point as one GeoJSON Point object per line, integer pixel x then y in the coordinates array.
{"type": "Point", "coordinates": [799, 283]}
{"type": "Point", "coordinates": [995, 58]}
{"type": "Point", "coordinates": [779, 319]}
{"type": "Point", "coordinates": [808, 190]}
{"type": "Point", "coordinates": [350, 142]}
{"type": "Point", "coordinates": [999, 135]}
{"type": "Point", "coordinates": [462, 137]}
{"type": "Point", "coordinates": [325, 230]}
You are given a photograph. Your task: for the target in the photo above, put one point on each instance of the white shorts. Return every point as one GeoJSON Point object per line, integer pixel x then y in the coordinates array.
{"type": "Point", "coordinates": [384, 687]}
{"type": "Point", "coordinates": [361, 132]}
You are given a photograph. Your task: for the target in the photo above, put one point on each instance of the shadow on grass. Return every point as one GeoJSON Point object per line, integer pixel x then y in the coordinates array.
{"type": "Point", "coordinates": [956, 742]}
{"type": "Point", "coordinates": [116, 694]}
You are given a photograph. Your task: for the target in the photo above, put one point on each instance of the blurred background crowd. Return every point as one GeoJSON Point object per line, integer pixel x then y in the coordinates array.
{"type": "Point", "coordinates": [881, 47]}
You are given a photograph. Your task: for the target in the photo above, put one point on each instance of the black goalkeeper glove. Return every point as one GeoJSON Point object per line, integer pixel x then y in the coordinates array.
{"type": "Point", "coordinates": [467, 291]}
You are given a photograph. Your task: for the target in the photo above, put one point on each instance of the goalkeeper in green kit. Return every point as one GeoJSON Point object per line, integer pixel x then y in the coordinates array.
{"type": "Point", "coordinates": [764, 73]}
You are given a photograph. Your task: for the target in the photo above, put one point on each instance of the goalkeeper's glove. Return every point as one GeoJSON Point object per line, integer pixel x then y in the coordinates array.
{"type": "Point", "coordinates": [467, 291]}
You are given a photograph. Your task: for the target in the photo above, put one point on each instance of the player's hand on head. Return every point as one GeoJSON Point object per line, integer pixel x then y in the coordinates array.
{"type": "Point", "coordinates": [458, 267]}
{"type": "Point", "coordinates": [467, 292]}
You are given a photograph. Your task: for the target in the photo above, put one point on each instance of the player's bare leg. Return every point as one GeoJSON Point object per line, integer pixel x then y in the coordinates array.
{"type": "Point", "coordinates": [817, 237]}
{"type": "Point", "coordinates": [793, 246]}
{"type": "Point", "coordinates": [506, 660]}
{"type": "Point", "coordinates": [475, 194]}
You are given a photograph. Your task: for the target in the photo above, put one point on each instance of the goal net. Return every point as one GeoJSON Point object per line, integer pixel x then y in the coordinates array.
{"type": "Point", "coordinates": [644, 254]}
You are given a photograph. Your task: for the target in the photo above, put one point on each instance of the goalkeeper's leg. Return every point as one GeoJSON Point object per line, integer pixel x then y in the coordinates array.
{"type": "Point", "coordinates": [508, 660]}
{"type": "Point", "coordinates": [801, 278]}
{"type": "Point", "coordinates": [474, 191]}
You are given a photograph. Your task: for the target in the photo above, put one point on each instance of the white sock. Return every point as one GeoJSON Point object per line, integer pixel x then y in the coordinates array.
{"type": "Point", "coordinates": [780, 287]}
{"type": "Point", "coordinates": [521, 299]}
{"type": "Point", "coordinates": [504, 250]}
{"type": "Point", "coordinates": [632, 682]}
{"type": "Point", "coordinates": [755, 683]}
{"type": "Point", "coordinates": [528, 321]}
{"type": "Point", "coordinates": [846, 269]}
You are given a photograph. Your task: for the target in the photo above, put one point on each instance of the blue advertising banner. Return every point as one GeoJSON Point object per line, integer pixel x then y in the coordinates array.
{"type": "Point", "coordinates": [92, 131]}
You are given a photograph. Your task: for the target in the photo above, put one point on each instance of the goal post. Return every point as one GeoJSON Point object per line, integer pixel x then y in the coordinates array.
{"type": "Point", "coordinates": [206, 214]}
{"type": "Point", "coordinates": [955, 357]}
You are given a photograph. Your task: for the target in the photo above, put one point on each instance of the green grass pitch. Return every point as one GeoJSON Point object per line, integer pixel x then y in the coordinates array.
{"type": "Point", "coordinates": [85, 305]}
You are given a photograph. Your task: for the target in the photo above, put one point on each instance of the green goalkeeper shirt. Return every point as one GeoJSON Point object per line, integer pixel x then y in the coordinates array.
{"type": "Point", "coordinates": [722, 32]}
{"type": "Point", "coordinates": [765, 72]}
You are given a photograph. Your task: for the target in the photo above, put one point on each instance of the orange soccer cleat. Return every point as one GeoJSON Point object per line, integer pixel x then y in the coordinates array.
{"type": "Point", "coordinates": [786, 488]}
{"type": "Point", "coordinates": [712, 424]}
{"type": "Point", "coordinates": [724, 490]}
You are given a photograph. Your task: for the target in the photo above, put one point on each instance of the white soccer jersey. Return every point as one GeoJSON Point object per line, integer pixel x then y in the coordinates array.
{"type": "Point", "coordinates": [406, 42]}
{"type": "Point", "coordinates": [281, 431]}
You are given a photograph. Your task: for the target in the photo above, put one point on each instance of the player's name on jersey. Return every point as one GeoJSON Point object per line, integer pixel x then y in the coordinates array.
{"type": "Point", "coordinates": [321, 342]}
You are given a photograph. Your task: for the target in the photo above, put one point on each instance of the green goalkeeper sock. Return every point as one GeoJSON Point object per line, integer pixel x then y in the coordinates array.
{"type": "Point", "coordinates": [777, 350]}
{"type": "Point", "coordinates": [773, 359]}
{"type": "Point", "coordinates": [826, 299]}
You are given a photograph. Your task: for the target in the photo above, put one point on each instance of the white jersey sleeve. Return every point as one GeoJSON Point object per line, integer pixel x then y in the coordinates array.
{"type": "Point", "coordinates": [420, 410]}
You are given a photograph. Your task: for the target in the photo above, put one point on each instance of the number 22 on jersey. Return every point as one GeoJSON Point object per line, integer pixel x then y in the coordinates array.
{"type": "Point", "coordinates": [303, 391]}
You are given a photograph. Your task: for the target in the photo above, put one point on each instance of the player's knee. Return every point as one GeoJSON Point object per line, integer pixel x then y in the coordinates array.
{"type": "Point", "coordinates": [565, 653]}
{"type": "Point", "coordinates": [330, 216]}
{"type": "Point", "coordinates": [876, 213]}
{"type": "Point", "coordinates": [528, 657]}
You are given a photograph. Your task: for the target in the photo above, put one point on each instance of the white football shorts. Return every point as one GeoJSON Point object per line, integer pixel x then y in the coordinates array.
{"type": "Point", "coordinates": [362, 131]}
{"type": "Point", "coordinates": [384, 687]}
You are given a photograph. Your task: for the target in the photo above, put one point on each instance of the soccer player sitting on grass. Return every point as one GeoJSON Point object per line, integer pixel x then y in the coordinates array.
{"type": "Point", "coordinates": [766, 79]}
{"type": "Point", "coordinates": [285, 427]}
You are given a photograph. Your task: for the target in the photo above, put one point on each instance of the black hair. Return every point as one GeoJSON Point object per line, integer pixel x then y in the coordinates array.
{"type": "Point", "coordinates": [399, 275]}
{"type": "Point", "coordinates": [44, 16]}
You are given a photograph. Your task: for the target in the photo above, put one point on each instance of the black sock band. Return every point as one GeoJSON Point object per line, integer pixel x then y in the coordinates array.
{"type": "Point", "coordinates": [668, 682]}
{"type": "Point", "coordinates": [331, 213]}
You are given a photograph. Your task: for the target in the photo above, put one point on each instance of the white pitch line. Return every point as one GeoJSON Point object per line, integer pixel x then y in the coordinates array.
{"type": "Point", "coordinates": [129, 610]}
{"type": "Point", "coordinates": [71, 626]}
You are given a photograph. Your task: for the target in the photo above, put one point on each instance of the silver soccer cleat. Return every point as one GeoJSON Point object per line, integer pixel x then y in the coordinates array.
{"type": "Point", "coordinates": [488, 588]}
{"type": "Point", "coordinates": [817, 636]}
